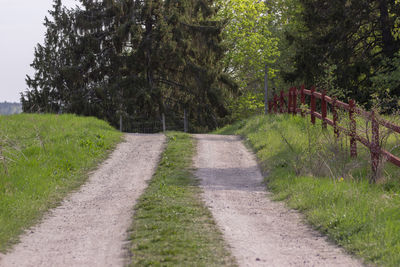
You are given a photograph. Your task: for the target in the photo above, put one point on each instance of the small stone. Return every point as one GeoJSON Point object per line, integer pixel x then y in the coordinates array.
{"type": "Point", "coordinates": [257, 259]}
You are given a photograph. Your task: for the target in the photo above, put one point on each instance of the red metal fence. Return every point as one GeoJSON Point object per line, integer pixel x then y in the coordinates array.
{"type": "Point", "coordinates": [288, 102]}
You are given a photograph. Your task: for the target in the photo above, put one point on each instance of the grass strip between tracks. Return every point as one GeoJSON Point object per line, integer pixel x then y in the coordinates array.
{"type": "Point", "coordinates": [172, 226]}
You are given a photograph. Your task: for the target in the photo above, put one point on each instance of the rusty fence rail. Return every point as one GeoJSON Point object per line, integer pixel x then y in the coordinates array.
{"type": "Point", "coordinates": [294, 102]}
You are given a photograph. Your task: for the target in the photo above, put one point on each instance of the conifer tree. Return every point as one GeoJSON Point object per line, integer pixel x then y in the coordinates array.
{"type": "Point", "coordinates": [48, 85]}
{"type": "Point", "coordinates": [180, 49]}
{"type": "Point", "coordinates": [132, 59]}
{"type": "Point", "coordinates": [98, 49]}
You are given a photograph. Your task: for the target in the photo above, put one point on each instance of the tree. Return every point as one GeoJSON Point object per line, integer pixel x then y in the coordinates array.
{"type": "Point", "coordinates": [133, 59]}
{"type": "Point", "coordinates": [99, 54]}
{"type": "Point", "coordinates": [251, 43]}
{"type": "Point", "coordinates": [352, 41]}
{"type": "Point", "coordinates": [179, 52]}
{"type": "Point", "coordinates": [48, 91]}
{"type": "Point", "coordinates": [249, 38]}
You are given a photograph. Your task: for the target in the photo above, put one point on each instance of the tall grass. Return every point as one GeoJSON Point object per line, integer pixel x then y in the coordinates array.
{"type": "Point", "coordinates": [312, 171]}
{"type": "Point", "coordinates": [42, 158]}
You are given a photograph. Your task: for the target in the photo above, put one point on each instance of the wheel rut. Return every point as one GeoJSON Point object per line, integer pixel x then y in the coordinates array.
{"type": "Point", "coordinates": [259, 231]}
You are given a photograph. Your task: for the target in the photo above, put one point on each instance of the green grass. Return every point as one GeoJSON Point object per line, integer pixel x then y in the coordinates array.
{"type": "Point", "coordinates": [42, 158]}
{"type": "Point", "coordinates": [172, 227]}
{"type": "Point", "coordinates": [363, 218]}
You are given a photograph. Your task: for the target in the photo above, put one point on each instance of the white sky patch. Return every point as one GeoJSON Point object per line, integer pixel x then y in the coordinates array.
{"type": "Point", "coordinates": [21, 28]}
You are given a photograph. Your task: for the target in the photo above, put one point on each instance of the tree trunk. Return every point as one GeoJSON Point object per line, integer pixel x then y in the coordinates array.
{"type": "Point", "coordinates": [266, 90]}
{"type": "Point", "coordinates": [386, 29]}
{"type": "Point", "coordinates": [185, 121]}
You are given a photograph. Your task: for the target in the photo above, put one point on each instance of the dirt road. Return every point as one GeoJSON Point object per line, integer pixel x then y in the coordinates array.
{"type": "Point", "coordinates": [89, 228]}
{"type": "Point", "coordinates": [259, 231]}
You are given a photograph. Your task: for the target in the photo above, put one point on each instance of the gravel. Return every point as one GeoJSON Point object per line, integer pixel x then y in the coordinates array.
{"type": "Point", "coordinates": [90, 227]}
{"type": "Point", "coordinates": [259, 231]}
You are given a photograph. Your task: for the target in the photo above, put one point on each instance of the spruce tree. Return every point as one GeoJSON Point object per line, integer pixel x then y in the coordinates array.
{"type": "Point", "coordinates": [179, 50]}
{"type": "Point", "coordinates": [48, 85]}
{"type": "Point", "coordinates": [132, 59]}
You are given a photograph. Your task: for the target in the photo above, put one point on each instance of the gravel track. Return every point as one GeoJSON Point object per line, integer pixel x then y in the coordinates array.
{"type": "Point", "coordinates": [259, 231]}
{"type": "Point", "coordinates": [90, 227]}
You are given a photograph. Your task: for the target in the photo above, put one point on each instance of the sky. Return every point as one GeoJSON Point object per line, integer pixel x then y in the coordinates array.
{"type": "Point", "coordinates": [21, 28]}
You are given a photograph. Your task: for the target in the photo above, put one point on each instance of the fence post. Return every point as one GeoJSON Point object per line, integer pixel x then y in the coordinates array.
{"type": "Point", "coordinates": [281, 102]}
{"type": "Point", "coordinates": [120, 123]}
{"type": "Point", "coordinates": [185, 121]}
{"type": "Point", "coordinates": [353, 129]}
{"type": "Point", "coordinates": [375, 148]}
{"type": "Point", "coordinates": [312, 104]}
{"type": "Point", "coordinates": [163, 123]}
{"type": "Point", "coordinates": [323, 110]}
{"type": "Point", "coordinates": [275, 103]}
{"type": "Point", "coordinates": [289, 111]}
{"type": "Point", "coordinates": [266, 90]}
{"type": "Point", "coordinates": [335, 118]}
{"type": "Point", "coordinates": [303, 99]}
{"type": "Point", "coordinates": [294, 102]}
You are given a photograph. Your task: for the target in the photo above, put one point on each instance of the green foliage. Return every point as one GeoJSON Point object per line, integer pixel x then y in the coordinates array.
{"type": "Point", "coordinates": [171, 226]}
{"type": "Point", "coordinates": [286, 23]}
{"type": "Point", "coordinates": [246, 105]}
{"type": "Point", "coordinates": [42, 158]}
{"type": "Point", "coordinates": [252, 43]}
{"type": "Point", "coordinates": [361, 217]}
{"type": "Point", "coordinates": [387, 83]}
{"type": "Point", "coordinates": [351, 41]}
{"type": "Point", "coordinates": [249, 39]}
{"type": "Point", "coordinates": [55, 80]}
{"type": "Point", "coordinates": [131, 59]}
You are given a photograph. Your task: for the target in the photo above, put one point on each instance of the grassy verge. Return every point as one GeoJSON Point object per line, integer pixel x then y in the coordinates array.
{"type": "Point", "coordinates": [42, 158]}
{"type": "Point", "coordinates": [171, 224]}
{"type": "Point", "coordinates": [363, 218]}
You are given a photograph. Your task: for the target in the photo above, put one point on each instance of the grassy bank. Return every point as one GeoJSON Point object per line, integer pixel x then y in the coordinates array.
{"type": "Point", "coordinates": [171, 225]}
{"type": "Point", "coordinates": [313, 174]}
{"type": "Point", "coordinates": [42, 158]}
